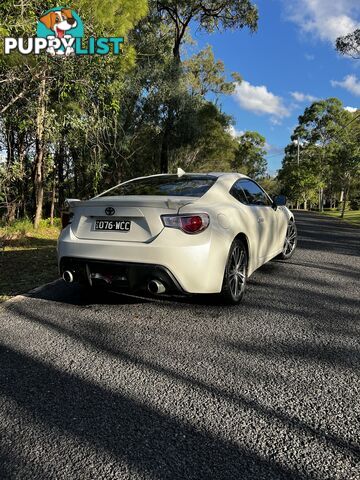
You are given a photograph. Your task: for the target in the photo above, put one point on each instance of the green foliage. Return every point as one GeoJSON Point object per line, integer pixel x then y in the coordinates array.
{"type": "Point", "coordinates": [271, 185]}
{"type": "Point", "coordinates": [24, 227]}
{"type": "Point", "coordinates": [250, 155]}
{"type": "Point", "coordinates": [17, 228]}
{"type": "Point", "coordinates": [111, 17]}
{"type": "Point", "coordinates": [203, 142]}
{"type": "Point", "coordinates": [207, 75]}
{"type": "Point", "coordinates": [329, 138]}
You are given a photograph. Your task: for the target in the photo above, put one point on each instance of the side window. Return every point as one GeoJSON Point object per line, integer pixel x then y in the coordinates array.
{"type": "Point", "coordinates": [238, 193]}
{"type": "Point", "coordinates": [254, 194]}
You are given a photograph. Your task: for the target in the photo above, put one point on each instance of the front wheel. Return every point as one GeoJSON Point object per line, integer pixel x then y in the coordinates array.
{"type": "Point", "coordinates": [235, 276]}
{"type": "Point", "coordinates": [290, 241]}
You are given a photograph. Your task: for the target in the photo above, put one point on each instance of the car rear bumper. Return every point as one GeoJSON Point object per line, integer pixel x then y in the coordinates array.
{"type": "Point", "coordinates": [187, 263]}
{"type": "Point", "coordinates": [122, 275]}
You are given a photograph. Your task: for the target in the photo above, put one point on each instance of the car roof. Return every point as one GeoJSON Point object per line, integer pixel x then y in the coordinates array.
{"type": "Point", "coordinates": [199, 174]}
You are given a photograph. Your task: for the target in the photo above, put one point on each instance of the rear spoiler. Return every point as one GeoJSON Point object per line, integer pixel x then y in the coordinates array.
{"type": "Point", "coordinates": [70, 202]}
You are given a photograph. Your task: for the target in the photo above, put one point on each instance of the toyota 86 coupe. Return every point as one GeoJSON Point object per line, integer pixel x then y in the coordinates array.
{"type": "Point", "coordinates": [175, 234]}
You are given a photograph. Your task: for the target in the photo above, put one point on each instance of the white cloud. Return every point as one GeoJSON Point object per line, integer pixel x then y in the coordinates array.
{"type": "Point", "coordinates": [309, 57]}
{"type": "Point", "coordinates": [351, 109]}
{"type": "Point", "coordinates": [350, 83]}
{"type": "Point", "coordinates": [303, 97]}
{"type": "Point", "coordinates": [324, 19]}
{"type": "Point", "coordinates": [259, 100]}
{"type": "Point", "coordinates": [235, 133]}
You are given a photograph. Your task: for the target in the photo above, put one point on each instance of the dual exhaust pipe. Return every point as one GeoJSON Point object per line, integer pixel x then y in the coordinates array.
{"type": "Point", "coordinates": [68, 277]}
{"type": "Point", "coordinates": [154, 286]}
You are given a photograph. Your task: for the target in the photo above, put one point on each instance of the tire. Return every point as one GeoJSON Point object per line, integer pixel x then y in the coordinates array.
{"type": "Point", "coordinates": [234, 284]}
{"type": "Point", "coordinates": [290, 241]}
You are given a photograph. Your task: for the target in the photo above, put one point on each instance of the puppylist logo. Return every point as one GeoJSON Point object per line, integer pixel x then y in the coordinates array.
{"type": "Point", "coordinates": [60, 31]}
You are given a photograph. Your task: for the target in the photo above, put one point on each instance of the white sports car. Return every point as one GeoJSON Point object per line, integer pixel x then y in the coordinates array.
{"type": "Point", "coordinates": [184, 233]}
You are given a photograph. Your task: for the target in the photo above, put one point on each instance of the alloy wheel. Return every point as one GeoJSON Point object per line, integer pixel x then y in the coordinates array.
{"type": "Point", "coordinates": [237, 271]}
{"type": "Point", "coordinates": [290, 239]}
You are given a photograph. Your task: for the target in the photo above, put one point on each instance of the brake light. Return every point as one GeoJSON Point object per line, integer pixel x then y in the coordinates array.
{"type": "Point", "coordinates": [66, 218]}
{"type": "Point", "coordinates": [193, 223]}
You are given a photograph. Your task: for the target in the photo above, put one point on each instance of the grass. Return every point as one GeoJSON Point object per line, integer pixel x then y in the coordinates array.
{"type": "Point", "coordinates": [28, 257]}
{"type": "Point", "coordinates": [350, 216]}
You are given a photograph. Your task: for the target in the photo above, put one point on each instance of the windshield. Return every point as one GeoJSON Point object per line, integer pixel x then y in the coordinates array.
{"type": "Point", "coordinates": [167, 185]}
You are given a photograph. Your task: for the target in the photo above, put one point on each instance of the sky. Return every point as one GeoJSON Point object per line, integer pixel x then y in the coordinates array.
{"type": "Point", "coordinates": [286, 65]}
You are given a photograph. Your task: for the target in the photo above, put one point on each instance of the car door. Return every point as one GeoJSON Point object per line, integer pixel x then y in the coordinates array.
{"type": "Point", "coordinates": [282, 221]}
{"type": "Point", "coordinates": [263, 217]}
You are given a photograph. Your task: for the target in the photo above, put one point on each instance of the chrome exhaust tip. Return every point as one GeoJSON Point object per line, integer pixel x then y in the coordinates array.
{"type": "Point", "coordinates": [154, 286]}
{"type": "Point", "coordinates": [68, 277]}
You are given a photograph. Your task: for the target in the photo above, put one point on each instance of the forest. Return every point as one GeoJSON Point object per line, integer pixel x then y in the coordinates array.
{"type": "Point", "coordinates": [74, 126]}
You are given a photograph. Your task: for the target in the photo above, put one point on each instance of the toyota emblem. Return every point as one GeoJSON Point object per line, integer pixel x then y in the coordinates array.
{"type": "Point", "coordinates": [110, 211]}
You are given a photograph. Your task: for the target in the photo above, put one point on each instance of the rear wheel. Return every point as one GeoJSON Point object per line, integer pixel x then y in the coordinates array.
{"type": "Point", "coordinates": [290, 241]}
{"type": "Point", "coordinates": [235, 276]}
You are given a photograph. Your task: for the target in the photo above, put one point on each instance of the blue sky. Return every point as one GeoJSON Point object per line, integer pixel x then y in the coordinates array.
{"type": "Point", "coordinates": [287, 64]}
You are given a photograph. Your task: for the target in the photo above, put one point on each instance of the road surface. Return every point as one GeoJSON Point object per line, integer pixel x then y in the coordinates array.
{"type": "Point", "coordinates": [125, 388]}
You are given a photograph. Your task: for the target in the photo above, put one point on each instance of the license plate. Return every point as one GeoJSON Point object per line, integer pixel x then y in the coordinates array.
{"type": "Point", "coordinates": [113, 225]}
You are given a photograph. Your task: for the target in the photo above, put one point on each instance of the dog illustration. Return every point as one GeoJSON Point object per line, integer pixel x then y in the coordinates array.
{"type": "Point", "coordinates": [60, 22]}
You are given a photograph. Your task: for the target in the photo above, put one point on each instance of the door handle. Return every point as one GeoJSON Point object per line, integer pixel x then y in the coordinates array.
{"type": "Point", "coordinates": [260, 220]}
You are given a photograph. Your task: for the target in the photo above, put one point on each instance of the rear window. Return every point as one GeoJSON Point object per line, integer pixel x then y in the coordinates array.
{"type": "Point", "coordinates": [171, 185]}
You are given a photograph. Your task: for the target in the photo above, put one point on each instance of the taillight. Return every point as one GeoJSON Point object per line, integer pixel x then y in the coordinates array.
{"type": "Point", "coordinates": [194, 223]}
{"type": "Point", "coordinates": [66, 218]}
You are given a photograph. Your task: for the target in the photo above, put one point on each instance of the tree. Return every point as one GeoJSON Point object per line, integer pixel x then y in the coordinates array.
{"type": "Point", "coordinates": [250, 155]}
{"type": "Point", "coordinates": [271, 185]}
{"type": "Point", "coordinates": [329, 153]}
{"type": "Point", "coordinates": [317, 127]}
{"type": "Point", "coordinates": [210, 15]}
{"type": "Point", "coordinates": [349, 44]}
{"type": "Point", "coordinates": [36, 79]}
{"type": "Point", "coordinates": [345, 161]}
{"type": "Point", "coordinates": [300, 181]}
{"type": "Point", "coordinates": [205, 75]}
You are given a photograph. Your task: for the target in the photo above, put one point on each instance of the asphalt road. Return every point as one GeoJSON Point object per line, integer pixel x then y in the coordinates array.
{"type": "Point", "coordinates": [127, 388]}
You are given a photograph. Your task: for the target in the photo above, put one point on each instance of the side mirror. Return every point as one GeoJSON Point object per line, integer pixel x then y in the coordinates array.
{"type": "Point", "coordinates": [279, 201]}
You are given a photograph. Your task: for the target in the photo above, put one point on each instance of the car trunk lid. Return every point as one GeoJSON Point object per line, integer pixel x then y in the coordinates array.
{"type": "Point", "coordinates": [144, 213]}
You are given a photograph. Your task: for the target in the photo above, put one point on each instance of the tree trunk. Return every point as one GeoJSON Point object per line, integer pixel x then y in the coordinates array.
{"type": "Point", "coordinates": [11, 191]}
{"type": "Point", "coordinates": [345, 197]}
{"type": "Point", "coordinates": [40, 153]}
{"type": "Point", "coordinates": [75, 161]}
{"type": "Point", "coordinates": [60, 155]}
{"type": "Point", "coordinates": [321, 199]}
{"type": "Point", "coordinates": [164, 156]}
{"type": "Point", "coordinates": [53, 199]}
{"type": "Point", "coordinates": [22, 189]}
{"type": "Point", "coordinates": [11, 212]}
